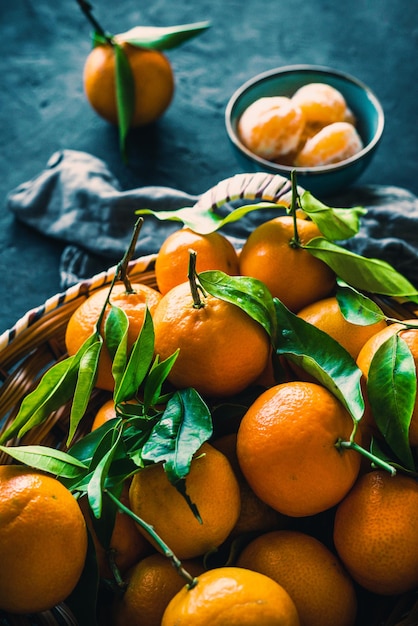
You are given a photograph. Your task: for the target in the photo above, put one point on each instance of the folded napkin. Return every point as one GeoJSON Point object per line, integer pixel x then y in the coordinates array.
{"type": "Point", "coordinates": [77, 200]}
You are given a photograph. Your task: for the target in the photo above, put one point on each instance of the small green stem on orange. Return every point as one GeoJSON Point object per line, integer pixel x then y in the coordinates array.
{"type": "Point", "coordinates": [122, 271]}
{"type": "Point", "coordinates": [295, 241]}
{"type": "Point", "coordinates": [195, 288]}
{"type": "Point", "coordinates": [87, 10]}
{"type": "Point", "coordinates": [191, 580]}
{"type": "Point", "coordinates": [352, 445]}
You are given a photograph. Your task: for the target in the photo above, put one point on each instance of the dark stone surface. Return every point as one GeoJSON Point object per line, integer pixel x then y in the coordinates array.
{"type": "Point", "coordinates": [43, 108]}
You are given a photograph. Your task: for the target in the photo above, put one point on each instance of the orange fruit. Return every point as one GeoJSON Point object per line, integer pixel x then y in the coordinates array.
{"type": "Point", "coordinates": [320, 103]}
{"type": "Point", "coordinates": [231, 596]}
{"type": "Point", "coordinates": [213, 252]}
{"type": "Point", "coordinates": [43, 540]}
{"type": "Point", "coordinates": [332, 144]}
{"type": "Point", "coordinates": [82, 322]}
{"type": "Point", "coordinates": [222, 349]}
{"type": "Point", "coordinates": [410, 336]}
{"type": "Point", "coordinates": [153, 82]}
{"type": "Point", "coordinates": [376, 532]}
{"type": "Point", "coordinates": [287, 450]}
{"type": "Point", "coordinates": [312, 575]}
{"type": "Point", "coordinates": [271, 127]}
{"type": "Point", "coordinates": [291, 273]}
{"type": "Point", "coordinates": [127, 545]}
{"type": "Point", "coordinates": [211, 486]}
{"type": "Point", "coordinates": [326, 315]}
{"type": "Point", "coordinates": [255, 515]}
{"type": "Point", "coordinates": [105, 413]}
{"type": "Point", "coordinates": [150, 585]}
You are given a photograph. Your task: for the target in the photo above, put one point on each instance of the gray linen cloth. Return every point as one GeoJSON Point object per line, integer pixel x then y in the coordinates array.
{"type": "Point", "coordinates": [77, 200]}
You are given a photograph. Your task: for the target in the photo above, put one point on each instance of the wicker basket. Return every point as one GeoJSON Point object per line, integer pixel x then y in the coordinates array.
{"type": "Point", "coordinates": [37, 341]}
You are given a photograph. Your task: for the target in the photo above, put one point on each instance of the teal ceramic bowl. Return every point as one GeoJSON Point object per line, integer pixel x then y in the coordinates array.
{"type": "Point", "coordinates": [284, 81]}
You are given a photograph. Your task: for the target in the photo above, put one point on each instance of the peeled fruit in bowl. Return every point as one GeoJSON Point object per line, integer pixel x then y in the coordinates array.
{"type": "Point", "coordinates": [272, 127]}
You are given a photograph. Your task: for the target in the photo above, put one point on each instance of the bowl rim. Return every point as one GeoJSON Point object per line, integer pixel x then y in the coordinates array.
{"type": "Point", "coordinates": [306, 67]}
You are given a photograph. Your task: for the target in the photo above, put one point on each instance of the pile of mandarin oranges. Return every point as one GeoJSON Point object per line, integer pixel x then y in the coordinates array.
{"type": "Point", "coordinates": [313, 127]}
{"type": "Point", "coordinates": [307, 528]}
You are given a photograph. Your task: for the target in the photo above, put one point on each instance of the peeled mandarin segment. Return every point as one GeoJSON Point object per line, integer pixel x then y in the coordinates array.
{"type": "Point", "coordinates": [320, 103]}
{"type": "Point", "coordinates": [271, 127]}
{"type": "Point", "coordinates": [334, 143]}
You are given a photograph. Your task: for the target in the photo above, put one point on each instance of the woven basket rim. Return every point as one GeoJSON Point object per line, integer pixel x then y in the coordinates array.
{"type": "Point", "coordinates": [82, 288]}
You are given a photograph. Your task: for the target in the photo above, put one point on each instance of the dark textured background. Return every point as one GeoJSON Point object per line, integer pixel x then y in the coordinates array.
{"type": "Point", "coordinates": [43, 108]}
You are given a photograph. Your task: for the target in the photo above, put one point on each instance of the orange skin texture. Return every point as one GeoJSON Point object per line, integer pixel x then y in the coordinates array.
{"type": "Point", "coordinates": [213, 252]}
{"type": "Point", "coordinates": [255, 515]}
{"type": "Point", "coordinates": [326, 315]}
{"type": "Point", "coordinates": [410, 336]}
{"type": "Point", "coordinates": [151, 584]}
{"type": "Point", "coordinates": [222, 350]}
{"type": "Point", "coordinates": [82, 323]}
{"type": "Point", "coordinates": [312, 575]}
{"type": "Point", "coordinates": [43, 541]}
{"type": "Point", "coordinates": [376, 532]}
{"type": "Point", "coordinates": [232, 596]}
{"type": "Point", "coordinates": [286, 449]}
{"type": "Point", "coordinates": [291, 274]}
{"type": "Point", "coordinates": [153, 80]}
{"type": "Point", "coordinates": [211, 486]}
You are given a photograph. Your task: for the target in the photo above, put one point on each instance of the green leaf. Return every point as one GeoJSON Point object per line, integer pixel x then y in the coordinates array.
{"type": "Point", "coordinates": [332, 222]}
{"type": "Point", "coordinates": [321, 356]}
{"type": "Point", "coordinates": [139, 362]}
{"type": "Point", "coordinates": [85, 448]}
{"type": "Point", "coordinates": [48, 460]}
{"type": "Point", "coordinates": [98, 479]}
{"type": "Point", "coordinates": [362, 273]}
{"type": "Point", "coordinates": [125, 94]}
{"type": "Point", "coordinates": [55, 388]}
{"type": "Point", "coordinates": [116, 339]}
{"type": "Point", "coordinates": [86, 379]}
{"type": "Point", "coordinates": [204, 220]}
{"type": "Point", "coordinates": [391, 388]}
{"type": "Point", "coordinates": [155, 379]}
{"type": "Point", "coordinates": [249, 294]}
{"type": "Point", "coordinates": [162, 38]}
{"type": "Point", "coordinates": [356, 307]}
{"type": "Point", "coordinates": [185, 425]}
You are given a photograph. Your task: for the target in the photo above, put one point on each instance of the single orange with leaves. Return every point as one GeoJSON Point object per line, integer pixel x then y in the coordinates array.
{"type": "Point", "coordinates": [153, 82]}
{"type": "Point", "coordinates": [82, 323]}
{"type": "Point", "coordinates": [213, 252]}
{"type": "Point", "coordinates": [275, 255]}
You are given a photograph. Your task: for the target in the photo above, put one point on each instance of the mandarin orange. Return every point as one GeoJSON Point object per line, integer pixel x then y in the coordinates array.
{"type": "Point", "coordinates": [150, 585]}
{"type": "Point", "coordinates": [291, 273]}
{"type": "Point", "coordinates": [153, 82]}
{"type": "Point", "coordinates": [82, 323]}
{"type": "Point", "coordinates": [211, 486]}
{"type": "Point", "coordinates": [43, 540]}
{"type": "Point", "coordinates": [222, 349]}
{"type": "Point", "coordinates": [231, 596]}
{"type": "Point", "coordinates": [376, 532]}
{"type": "Point", "coordinates": [326, 315]}
{"type": "Point", "coordinates": [213, 252]}
{"type": "Point", "coordinates": [287, 448]}
{"type": "Point", "coordinates": [312, 575]}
